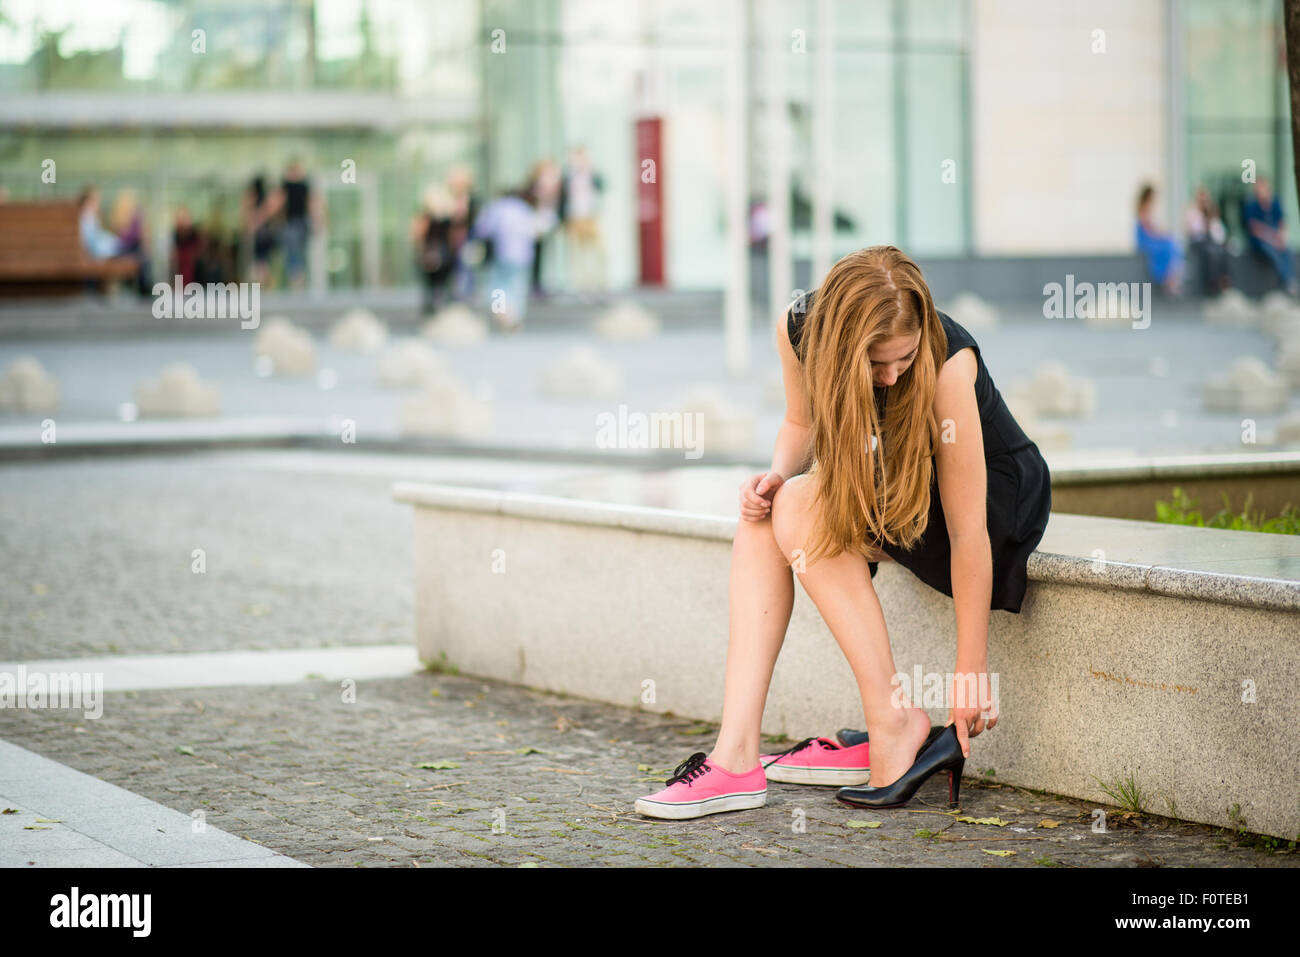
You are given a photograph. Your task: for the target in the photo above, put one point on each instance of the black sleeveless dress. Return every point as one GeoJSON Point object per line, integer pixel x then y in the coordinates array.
{"type": "Point", "coordinates": [1019, 487]}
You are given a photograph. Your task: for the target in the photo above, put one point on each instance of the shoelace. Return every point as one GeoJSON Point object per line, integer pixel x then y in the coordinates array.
{"type": "Point", "coordinates": [692, 767]}
{"type": "Point", "coordinates": [791, 750]}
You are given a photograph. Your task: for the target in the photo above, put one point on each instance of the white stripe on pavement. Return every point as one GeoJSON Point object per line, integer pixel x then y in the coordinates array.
{"type": "Point", "coordinates": [59, 817]}
{"type": "Point", "coordinates": [222, 668]}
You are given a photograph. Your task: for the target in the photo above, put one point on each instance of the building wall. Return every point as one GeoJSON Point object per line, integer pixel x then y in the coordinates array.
{"type": "Point", "coordinates": [1064, 136]}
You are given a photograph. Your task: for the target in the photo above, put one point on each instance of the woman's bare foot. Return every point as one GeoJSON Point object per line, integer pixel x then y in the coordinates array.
{"type": "Point", "coordinates": [894, 747]}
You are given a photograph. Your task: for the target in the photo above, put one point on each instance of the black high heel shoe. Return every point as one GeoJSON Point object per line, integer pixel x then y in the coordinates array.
{"type": "Point", "coordinates": [941, 753]}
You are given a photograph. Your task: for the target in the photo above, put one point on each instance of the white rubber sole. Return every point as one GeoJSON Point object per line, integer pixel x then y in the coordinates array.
{"type": "Point", "coordinates": [837, 777]}
{"type": "Point", "coordinates": [713, 805]}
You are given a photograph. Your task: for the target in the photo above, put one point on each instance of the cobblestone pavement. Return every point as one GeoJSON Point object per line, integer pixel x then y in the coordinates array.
{"type": "Point", "coordinates": [99, 555]}
{"type": "Point", "coordinates": [539, 779]}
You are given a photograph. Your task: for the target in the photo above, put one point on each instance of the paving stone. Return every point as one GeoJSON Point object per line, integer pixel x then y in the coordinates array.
{"type": "Point", "coordinates": [351, 793]}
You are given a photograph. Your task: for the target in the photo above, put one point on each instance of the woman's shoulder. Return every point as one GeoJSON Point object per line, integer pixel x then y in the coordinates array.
{"type": "Point", "coordinates": [795, 315]}
{"type": "Point", "coordinates": [958, 336]}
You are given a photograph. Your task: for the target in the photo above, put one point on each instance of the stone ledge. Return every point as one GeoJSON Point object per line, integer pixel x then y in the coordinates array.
{"type": "Point", "coordinates": [1202, 465]}
{"type": "Point", "coordinates": [1065, 555]}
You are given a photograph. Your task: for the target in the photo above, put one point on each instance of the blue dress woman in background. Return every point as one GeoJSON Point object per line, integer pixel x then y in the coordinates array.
{"type": "Point", "coordinates": [1160, 250]}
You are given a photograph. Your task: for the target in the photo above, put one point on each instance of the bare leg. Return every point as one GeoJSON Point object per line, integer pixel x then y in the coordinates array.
{"type": "Point", "coordinates": [842, 589]}
{"type": "Point", "coordinates": [760, 598]}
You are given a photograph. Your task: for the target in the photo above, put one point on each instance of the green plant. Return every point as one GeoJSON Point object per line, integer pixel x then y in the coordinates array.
{"type": "Point", "coordinates": [441, 666]}
{"type": "Point", "coordinates": [1244, 837]}
{"type": "Point", "coordinates": [1183, 510]}
{"type": "Point", "coordinates": [1126, 793]}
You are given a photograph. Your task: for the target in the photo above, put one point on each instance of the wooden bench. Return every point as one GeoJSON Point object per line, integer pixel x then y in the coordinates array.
{"type": "Point", "coordinates": [41, 252]}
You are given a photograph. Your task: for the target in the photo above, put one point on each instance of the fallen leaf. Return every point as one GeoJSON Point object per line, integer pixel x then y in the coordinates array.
{"type": "Point", "coordinates": [48, 820]}
{"type": "Point", "coordinates": [184, 749]}
{"type": "Point", "coordinates": [438, 765]}
{"type": "Point", "coordinates": [1049, 823]}
{"type": "Point", "coordinates": [33, 827]}
{"type": "Point", "coordinates": [995, 821]}
{"type": "Point", "coordinates": [997, 853]}
{"type": "Point", "coordinates": [862, 824]}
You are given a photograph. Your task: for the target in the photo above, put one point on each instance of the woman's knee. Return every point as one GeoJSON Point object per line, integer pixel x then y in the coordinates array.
{"type": "Point", "coordinates": [790, 512]}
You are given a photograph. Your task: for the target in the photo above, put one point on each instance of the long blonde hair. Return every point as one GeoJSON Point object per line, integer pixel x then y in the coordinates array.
{"type": "Point", "coordinates": [866, 495]}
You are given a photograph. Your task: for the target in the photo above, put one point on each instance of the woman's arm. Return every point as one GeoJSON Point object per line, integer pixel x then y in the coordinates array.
{"type": "Point", "coordinates": [963, 489]}
{"type": "Point", "coordinates": [793, 452]}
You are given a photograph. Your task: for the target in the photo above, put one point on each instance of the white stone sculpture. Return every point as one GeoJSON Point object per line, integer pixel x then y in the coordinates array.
{"type": "Point", "coordinates": [581, 373]}
{"type": "Point", "coordinates": [1248, 386]}
{"type": "Point", "coordinates": [177, 393]}
{"type": "Point", "coordinates": [359, 330]}
{"type": "Point", "coordinates": [1230, 308]}
{"type": "Point", "coordinates": [972, 312]}
{"type": "Point", "coordinates": [455, 325]}
{"type": "Point", "coordinates": [717, 424]}
{"type": "Point", "coordinates": [443, 408]}
{"type": "Point", "coordinates": [1288, 364]}
{"type": "Point", "coordinates": [285, 349]}
{"type": "Point", "coordinates": [411, 363]}
{"type": "Point", "coordinates": [1288, 429]}
{"type": "Point", "coordinates": [1054, 392]}
{"type": "Point", "coordinates": [1276, 308]}
{"type": "Point", "coordinates": [627, 322]}
{"type": "Point", "coordinates": [26, 386]}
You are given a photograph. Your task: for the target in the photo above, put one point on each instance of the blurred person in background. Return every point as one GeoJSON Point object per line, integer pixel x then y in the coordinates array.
{"type": "Point", "coordinates": [509, 223]}
{"type": "Point", "coordinates": [544, 185]}
{"type": "Point", "coordinates": [259, 232]}
{"type": "Point", "coordinates": [1265, 224]}
{"type": "Point", "coordinates": [187, 243]}
{"type": "Point", "coordinates": [219, 255]}
{"type": "Point", "coordinates": [97, 241]}
{"type": "Point", "coordinates": [434, 257]}
{"type": "Point", "coordinates": [301, 212]}
{"type": "Point", "coordinates": [127, 223]}
{"type": "Point", "coordinates": [1207, 241]}
{"type": "Point", "coordinates": [1159, 248]}
{"type": "Point", "coordinates": [464, 210]}
{"type": "Point", "coordinates": [579, 206]}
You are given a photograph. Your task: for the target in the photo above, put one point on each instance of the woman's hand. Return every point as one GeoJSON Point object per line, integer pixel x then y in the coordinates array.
{"type": "Point", "coordinates": [756, 495]}
{"type": "Point", "coordinates": [971, 716]}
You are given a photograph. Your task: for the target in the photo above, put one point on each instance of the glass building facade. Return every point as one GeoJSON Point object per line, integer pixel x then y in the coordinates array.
{"type": "Point", "coordinates": [185, 100]}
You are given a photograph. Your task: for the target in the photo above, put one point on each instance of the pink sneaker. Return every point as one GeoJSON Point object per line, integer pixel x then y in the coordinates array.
{"type": "Point", "coordinates": [819, 761]}
{"type": "Point", "coordinates": [699, 787]}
